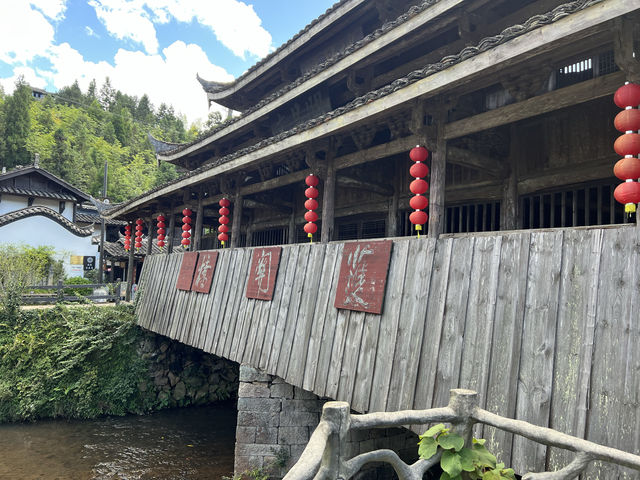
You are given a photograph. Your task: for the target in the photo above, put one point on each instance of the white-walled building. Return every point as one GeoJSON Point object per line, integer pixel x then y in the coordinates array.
{"type": "Point", "coordinates": [39, 209]}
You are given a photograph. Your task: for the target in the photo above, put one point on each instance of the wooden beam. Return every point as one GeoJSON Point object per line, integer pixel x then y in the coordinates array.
{"type": "Point", "coordinates": [197, 231]}
{"type": "Point", "coordinates": [248, 203]}
{"type": "Point", "coordinates": [476, 161]}
{"type": "Point", "coordinates": [623, 48]}
{"type": "Point", "coordinates": [328, 200]}
{"type": "Point", "coordinates": [438, 177]}
{"type": "Point", "coordinates": [548, 102]}
{"type": "Point", "coordinates": [373, 187]}
{"type": "Point", "coordinates": [237, 219]}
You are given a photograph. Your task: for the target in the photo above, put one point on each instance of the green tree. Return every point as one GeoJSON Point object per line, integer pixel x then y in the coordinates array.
{"type": "Point", "coordinates": [16, 125]}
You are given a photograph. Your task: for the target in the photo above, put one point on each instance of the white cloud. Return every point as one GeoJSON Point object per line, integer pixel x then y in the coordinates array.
{"type": "Point", "coordinates": [234, 23]}
{"type": "Point", "coordinates": [127, 20]}
{"type": "Point", "coordinates": [53, 9]}
{"type": "Point", "coordinates": [168, 78]}
{"type": "Point", "coordinates": [30, 76]}
{"type": "Point", "coordinates": [24, 33]}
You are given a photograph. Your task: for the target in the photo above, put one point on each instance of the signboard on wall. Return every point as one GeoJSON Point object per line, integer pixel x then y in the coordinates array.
{"type": "Point", "coordinates": [88, 263]}
{"type": "Point", "coordinates": [188, 266]}
{"type": "Point", "coordinates": [205, 268]}
{"type": "Point", "coordinates": [363, 276]}
{"type": "Point", "coordinates": [263, 273]}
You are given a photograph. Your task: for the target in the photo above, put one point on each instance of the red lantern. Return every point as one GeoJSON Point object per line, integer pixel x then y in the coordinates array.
{"type": "Point", "coordinates": [186, 227]}
{"type": "Point", "coordinates": [127, 237]}
{"type": "Point", "coordinates": [161, 231]}
{"type": "Point", "coordinates": [628, 193]}
{"type": "Point", "coordinates": [627, 144]}
{"type": "Point", "coordinates": [223, 220]}
{"type": "Point", "coordinates": [311, 204]}
{"type": "Point", "coordinates": [627, 96]}
{"type": "Point", "coordinates": [418, 202]}
{"type": "Point", "coordinates": [139, 228]}
{"type": "Point", "coordinates": [418, 186]}
{"type": "Point", "coordinates": [627, 120]}
{"type": "Point", "coordinates": [627, 168]}
{"type": "Point", "coordinates": [419, 154]}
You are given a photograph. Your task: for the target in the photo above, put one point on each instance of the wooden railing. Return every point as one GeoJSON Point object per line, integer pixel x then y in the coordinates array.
{"type": "Point", "coordinates": [322, 458]}
{"type": "Point", "coordinates": [58, 293]}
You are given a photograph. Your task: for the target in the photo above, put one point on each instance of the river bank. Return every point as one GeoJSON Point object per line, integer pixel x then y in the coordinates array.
{"type": "Point", "coordinates": [86, 362]}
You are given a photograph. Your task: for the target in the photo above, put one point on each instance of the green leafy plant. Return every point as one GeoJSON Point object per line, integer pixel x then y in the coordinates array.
{"type": "Point", "coordinates": [459, 462]}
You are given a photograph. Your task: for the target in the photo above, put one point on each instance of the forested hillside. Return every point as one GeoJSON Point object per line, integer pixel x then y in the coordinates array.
{"type": "Point", "coordinates": [75, 132]}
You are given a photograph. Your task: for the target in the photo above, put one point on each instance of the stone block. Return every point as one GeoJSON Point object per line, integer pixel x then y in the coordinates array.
{"type": "Point", "coordinates": [179, 391]}
{"type": "Point", "coordinates": [173, 379]}
{"type": "Point", "coordinates": [259, 404]}
{"type": "Point", "coordinates": [245, 434]}
{"type": "Point", "coordinates": [296, 452]}
{"type": "Point", "coordinates": [300, 394]}
{"type": "Point", "coordinates": [253, 390]}
{"type": "Point", "coordinates": [293, 435]}
{"type": "Point", "coordinates": [301, 405]}
{"type": "Point", "coordinates": [281, 390]}
{"type": "Point", "coordinates": [266, 449]}
{"type": "Point", "coordinates": [250, 374]}
{"type": "Point", "coordinates": [277, 380]}
{"type": "Point", "coordinates": [244, 463]}
{"type": "Point", "coordinates": [299, 419]}
{"type": "Point", "coordinates": [258, 419]}
{"type": "Point", "coordinates": [266, 435]}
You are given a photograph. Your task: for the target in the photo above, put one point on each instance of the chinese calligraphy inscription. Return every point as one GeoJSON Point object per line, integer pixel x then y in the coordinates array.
{"type": "Point", "coordinates": [204, 272]}
{"type": "Point", "coordinates": [264, 269]}
{"type": "Point", "coordinates": [187, 267]}
{"type": "Point", "coordinates": [363, 276]}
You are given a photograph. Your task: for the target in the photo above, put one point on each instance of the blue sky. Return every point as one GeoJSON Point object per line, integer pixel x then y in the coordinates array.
{"type": "Point", "coordinates": [145, 46]}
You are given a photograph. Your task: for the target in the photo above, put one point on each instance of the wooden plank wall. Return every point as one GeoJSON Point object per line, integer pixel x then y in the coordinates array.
{"type": "Point", "coordinates": [544, 324]}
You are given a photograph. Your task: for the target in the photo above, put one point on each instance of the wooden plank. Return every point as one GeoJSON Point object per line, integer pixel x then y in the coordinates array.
{"type": "Point", "coordinates": [223, 322]}
{"type": "Point", "coordinates": [283, 311]}
{"type": "Point", "coordinates": [278, 298]}
{"type": "Point", "coordinates": [538, 346]}
{"type": "Point", "coordinates": [231, 314]}
{"type": "Point", "coordinates": [404, 373]}
{"type": "Point", "coordinates": [478, 334]}
{"type": "Point", "coordinates": [507, 337]}
{"type": "Point", "coordinates": [389, 323]}
{"type": "Point", "coordinates": [323, 306]}
{"type": "Point", "coordinates": [366, 363]}
{"type": "Point", "coordinates": [454, 319]}
{"type": "Point", "coordinates": [611, 378]}
{"type": "Point", "coordinates": [244, 337]}
{"type": "Point", "coordinates": [433, 325]}
{"type": "Point", "coordinates": [329, 330]}
{"type": "Point", "coordinates": [161, 309]}
{"type": "Point", "coordinates": [299, 349]}
{"type": "Point", "coordinates": [292, 321]}
{"type": "Point", "coordinates": [348, 369]}
{"type": "Point", "coordinates": [579, 279]}
{"type": "Point", "coordinates": [217, 295]}
{"type": "Point", "coordinates": [337, 349]}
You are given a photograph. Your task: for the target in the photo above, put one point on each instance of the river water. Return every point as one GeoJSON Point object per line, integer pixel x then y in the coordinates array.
{"type": "Point", "coordinates": [190, 443]}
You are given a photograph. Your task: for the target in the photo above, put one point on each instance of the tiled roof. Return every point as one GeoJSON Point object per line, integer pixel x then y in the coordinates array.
{"type": "Point", "coordinates": [466, 53]}
{"type": "Point", "coordinates": [36, 193]}
{"type": "Point", "coordinates": [45, 212]}
{"type": "Point", "coordinates": [116, 249]}
{"type": "Point", "coordinates": [96, 218]}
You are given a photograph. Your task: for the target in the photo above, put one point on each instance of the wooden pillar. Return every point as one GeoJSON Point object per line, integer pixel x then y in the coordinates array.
{"type": "Point", "coordinates": [392, 217]}
{"type": "Point", "coordinates": [236, 222]}
{"type": "Point", "coordinates": [329, 200]}
{"type": "Point", "coordinates": [437, 183]}
{"type": "Point", "coordinates": [171, 230]}
{"type": "Point", "coordinates": [130, 273]}
{"type": "Point", "coordinates": [292, 226]}
{"type": "Point", "coordinates": [197, 229]}
{"type": "Point", "coordinates": [249, 234]}
{"type": "Point", "coordinates": [150, 236]}
{"type": "Point", "coordinates": [509, 214]}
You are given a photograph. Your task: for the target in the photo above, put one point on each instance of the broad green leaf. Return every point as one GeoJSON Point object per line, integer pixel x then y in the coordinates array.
{"type": "Point", "coordinates": [479, 441]}
{"type": "Point", "coordinates": [445, 476]}
{"type": "Point", "coordinates": [428, 447]}
{"type": "Point", "coordinates": [434, 430]}
{"type": "Point", "coordinates": [467, 459]}
{"type": "Point", "coordinates": [451, 441]}
{"type": "Point", "coordinates": [491, 475]}
{"type": "Point", "coordinates": [450, 463]}
{"type": "Point", "coordinates": [484, 456]}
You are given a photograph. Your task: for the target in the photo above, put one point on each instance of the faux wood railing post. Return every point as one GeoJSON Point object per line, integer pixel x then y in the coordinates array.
{"type": "Point", "coordinates": [336, 414]}
{"type": "Point", "coordinates": [464, 403]}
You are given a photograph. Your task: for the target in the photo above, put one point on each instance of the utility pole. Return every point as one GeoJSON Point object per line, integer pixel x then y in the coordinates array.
{"type": "Point", "coordinates": [102, 227]}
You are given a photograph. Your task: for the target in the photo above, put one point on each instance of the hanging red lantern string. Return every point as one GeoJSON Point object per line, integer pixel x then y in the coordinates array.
{"type": "Point", "coordinates": [628, 146]}
{"type": "Point", "coordinates": [127, 237]}
{"type": "Point", "coordinates": [186, 228]}
{"type": "Point", "coordinates": [311, 204]}
{"type": "Point", "coordinates": [419, 187]}
{"type": "Point", "coordinates": [161, 231]}
{"type": "Point", "coordinates": [223, 236]}
{"type": "Point", "coordinates": [139, 227]}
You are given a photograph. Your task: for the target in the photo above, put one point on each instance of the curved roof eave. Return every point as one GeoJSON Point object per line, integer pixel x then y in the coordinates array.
{"type": "Point", "coordinates": [49, 213]}
{"type": "Point", "coordinates": [220, 91]}
{"type": "Point", "coordinates": [534, 35]}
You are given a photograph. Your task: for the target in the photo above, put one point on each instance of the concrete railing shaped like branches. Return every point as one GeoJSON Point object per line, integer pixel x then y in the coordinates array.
{"type": "Point", "coordinates": [322, 458]}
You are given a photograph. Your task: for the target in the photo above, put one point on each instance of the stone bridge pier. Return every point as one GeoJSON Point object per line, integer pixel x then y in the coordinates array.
{"type": "Point", "coordinates": [276, 420]}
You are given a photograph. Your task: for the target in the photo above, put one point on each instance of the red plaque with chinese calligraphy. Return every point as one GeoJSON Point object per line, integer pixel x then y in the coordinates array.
{"type": "Point", "coordinates": [264, 269]}
{"type": "Point", "coordinates": [185, 276]}
{"type": "Point", "coordinates": [205, 268]}
{"type": "Point", "coordinates": [363, 275]}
